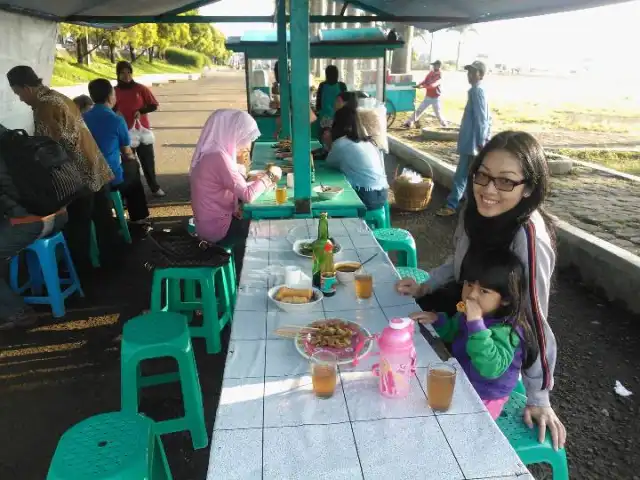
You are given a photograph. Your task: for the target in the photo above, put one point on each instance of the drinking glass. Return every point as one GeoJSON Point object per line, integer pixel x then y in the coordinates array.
{"type": "Point", "coordinates": [441, 381]}
{"type": "Point", "coordinates": [324, 373]}
{"type": "Point", "coordinates": [281, 195]}
{"type": "Point", "coordinates": [363, 282]}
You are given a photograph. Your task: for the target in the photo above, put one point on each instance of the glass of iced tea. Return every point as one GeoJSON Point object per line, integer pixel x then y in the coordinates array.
{"type": "Point", "coordinates": [324, 373]}
{"type": "Point", "coordinates": [363, 282]}
{"type": "Point", "coordinates": [441, 380]}
{"type": "Point", "coordinates": [281, 195]}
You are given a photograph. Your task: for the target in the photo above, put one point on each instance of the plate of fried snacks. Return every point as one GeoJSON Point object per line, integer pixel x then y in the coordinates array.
{"type": "Point", "coordinates": [338, 336]}
{"type": "Point", "coordinates": [295, 300]}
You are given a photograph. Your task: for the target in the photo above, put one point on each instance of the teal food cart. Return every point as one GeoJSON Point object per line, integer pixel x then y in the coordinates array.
{"type": "Point", "coordinates": [365, 43]}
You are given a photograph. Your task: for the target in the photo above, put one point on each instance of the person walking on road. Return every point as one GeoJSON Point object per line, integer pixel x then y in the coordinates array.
{"type": "Point", "coordinates": [475, 130]}
{"type": "Point", "coordinates": [135, 102]}
{"type": "Point", "coordinates": [431, 84]}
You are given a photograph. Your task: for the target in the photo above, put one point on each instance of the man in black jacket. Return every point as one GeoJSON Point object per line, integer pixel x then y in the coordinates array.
{"type": "Point", "coordinates": [18, 230]}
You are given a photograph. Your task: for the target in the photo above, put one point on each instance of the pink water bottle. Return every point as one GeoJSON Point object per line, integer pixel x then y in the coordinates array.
{"type": "Point", "coordinates": [397, 358]}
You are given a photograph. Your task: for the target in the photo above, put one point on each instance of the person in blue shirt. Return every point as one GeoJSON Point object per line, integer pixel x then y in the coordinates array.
{"type": "Point", "coordinates": [475, 130]}
{"type": "Point", "coordinates": [359, 158]}
{"type": "Point", "coordinates": [110, 133]}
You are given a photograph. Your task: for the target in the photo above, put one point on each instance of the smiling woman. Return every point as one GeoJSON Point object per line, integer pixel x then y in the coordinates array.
{"type": "Point", "coordinates": [508, 183]}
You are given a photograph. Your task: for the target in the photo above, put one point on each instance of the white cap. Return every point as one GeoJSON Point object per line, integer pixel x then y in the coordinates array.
{"type": "Point", "coordinates": [400, 323]}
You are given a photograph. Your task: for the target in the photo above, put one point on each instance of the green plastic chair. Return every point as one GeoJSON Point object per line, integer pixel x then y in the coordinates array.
{"type": "Point", "coordinates": [376, 218]}
{"type": "Point", "coordinates": [118, 206]}
{"type": "Point", "coordinates": [525, 440]}
{"type": "Point", "coordinates": [398, 240]}
{"type": "Point", "coordinates": [110, 446]}
{"type": "Point", "coordinates": [215, 301]}
{"type": "Point", "coordinates": [417, 274]}
{"type": "Point", "coordinates": [156, 335]}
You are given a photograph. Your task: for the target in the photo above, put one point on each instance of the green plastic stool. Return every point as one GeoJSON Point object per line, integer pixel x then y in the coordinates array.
{"type": "Point", "coordinates": [118, 206]}
{"type": "Point", "coordinates": [376, 218]}
{"type": "Point", "coordinates": [525, 440]}
{"type": "Point", "coordinates": [94, 251]}
{"type": "Point", "coordinates": [398, 240]}
{"type": "Point", "coordinates": [231, 271]}
{"type": "Point", "coordinates": [110, 446]}
{"type": "Point", "coordinates": [156, 335]}
{"type": "Point", "coordinates": [387, 215]}
{"type": "Point", "coordinates": [215, 301]}
{"type": "Point", "coordinates": [417, 274]}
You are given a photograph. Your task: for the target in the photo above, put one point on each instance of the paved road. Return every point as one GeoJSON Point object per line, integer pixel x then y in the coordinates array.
{"type": "Point", "coordinates": [62, 372]}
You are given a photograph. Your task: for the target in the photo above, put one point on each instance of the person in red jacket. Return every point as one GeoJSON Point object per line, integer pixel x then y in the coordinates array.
{"type": "Point", "coordinates": [135, 101]}
{"type": "Point", "coordinates": [432, 96]}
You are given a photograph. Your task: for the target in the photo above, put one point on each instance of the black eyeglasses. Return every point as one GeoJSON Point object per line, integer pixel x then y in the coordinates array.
{"type": "Point", "coordinates": [501, 183]}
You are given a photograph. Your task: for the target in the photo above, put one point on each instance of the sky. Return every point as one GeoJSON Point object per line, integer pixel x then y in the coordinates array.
{"type": "Point", "coordinates": [602, 35]}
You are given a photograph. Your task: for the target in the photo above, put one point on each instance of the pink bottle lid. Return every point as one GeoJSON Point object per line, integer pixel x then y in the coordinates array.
{"type": "Point", "coordinates": [398, 335]}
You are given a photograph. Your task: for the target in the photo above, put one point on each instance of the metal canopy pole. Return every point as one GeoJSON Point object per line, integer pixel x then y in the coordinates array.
{"type": "Point", "coordinates": [283, 71]}
{"type": "Point", "coordinates": [300, 53]}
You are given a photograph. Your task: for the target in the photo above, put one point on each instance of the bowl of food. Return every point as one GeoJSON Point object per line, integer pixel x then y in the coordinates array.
{"type": "Point", "coordinates": [325, 192]}
{"type": "Point", "coordinates": [295, 300]}
{"type": "Point", "coordinates": [346, 271]}
{"type": "Point", "coordinates": [253, 174]}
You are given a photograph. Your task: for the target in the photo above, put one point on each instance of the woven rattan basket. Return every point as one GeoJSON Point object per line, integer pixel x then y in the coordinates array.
{"type": "Point", "coordinates": [412, 197]}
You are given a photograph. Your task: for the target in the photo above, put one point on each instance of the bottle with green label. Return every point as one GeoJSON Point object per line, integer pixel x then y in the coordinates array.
{"type": "Point", "coordinates": [318, 248]}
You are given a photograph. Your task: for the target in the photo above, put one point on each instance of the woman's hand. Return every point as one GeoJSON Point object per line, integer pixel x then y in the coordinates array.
{"type": "Point", "coordinates": [424, 317]}
{"type": "Point", "coordinates": [408, 286]}
{"type": "Point", "coordinates": [136, 115]}
{"type": "Point", "coordinates": [275, 171]}
{"type": "Point", "coordinates": [545, 417]}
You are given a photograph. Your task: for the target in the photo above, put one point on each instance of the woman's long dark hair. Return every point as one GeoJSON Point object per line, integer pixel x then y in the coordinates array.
{"type": "Point", "coordinates": [350, 99]}
{"type": "Point", "coordinates": [500, 270]}
{"type": "Point", "coordinates": [499, 231]}
{"type": "Point", "coordinates": [345, 124]}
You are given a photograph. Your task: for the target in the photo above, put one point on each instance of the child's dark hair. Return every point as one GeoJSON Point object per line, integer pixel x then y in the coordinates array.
{"type": "Point", "coordinates": [501, 271]}
{"type": "Point", "coordinates": [331, 74]}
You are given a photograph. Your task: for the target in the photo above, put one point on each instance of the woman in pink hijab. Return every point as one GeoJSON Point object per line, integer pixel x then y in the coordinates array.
{"type": "Point", "coordinates": [217, 187]}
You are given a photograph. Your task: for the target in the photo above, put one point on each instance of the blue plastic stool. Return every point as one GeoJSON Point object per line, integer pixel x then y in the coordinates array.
{"type": "Point", "coordinates": [110, 446]}
{"type": "Point", "coordinates": [42, 265]}
{"type": "Point", "coordinates": [118, 206]}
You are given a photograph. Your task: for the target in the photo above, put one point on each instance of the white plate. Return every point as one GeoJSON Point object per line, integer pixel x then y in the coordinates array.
{"type": "Point", "coordinates": [295, 307]}
{"type": "Point", "coordinates": [298, 243]}
{"type": "Point", "coordinates": [366, 348]}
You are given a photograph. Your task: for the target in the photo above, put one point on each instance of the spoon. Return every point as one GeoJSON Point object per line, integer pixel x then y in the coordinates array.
{"type": "Point", "coordinates": [368, 260]}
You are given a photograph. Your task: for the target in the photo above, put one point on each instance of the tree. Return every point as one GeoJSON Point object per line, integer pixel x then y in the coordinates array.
{"type": "Point", "coordinates": [80, 35]}
{"type": "Point", "coordinates": [401, 62]}
{"type": "Point", "coordinates": [172, 35]}
{"type": "Point", "coordinates": [463, 31]}
{"type": "Point", "coordinates": [114, 39]}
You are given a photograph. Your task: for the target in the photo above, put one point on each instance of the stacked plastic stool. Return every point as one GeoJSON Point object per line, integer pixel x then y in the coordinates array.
{"type": "Point", "coordinates": [525, 440]}
{"type": "Point", "coordinates": [376, 218]}
{"type": "Point", "coordinates": [110, 446]}
{"type": "Point", "coordinates": [400, 241]}
{"type": "Point", "coordinates": [156, 335]}
{"type": "Point", "coordinates": [42, 265]}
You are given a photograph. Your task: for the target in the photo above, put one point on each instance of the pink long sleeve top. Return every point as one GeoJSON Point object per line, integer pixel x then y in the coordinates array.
{"type": "Point", "coordinates": [216, 188]}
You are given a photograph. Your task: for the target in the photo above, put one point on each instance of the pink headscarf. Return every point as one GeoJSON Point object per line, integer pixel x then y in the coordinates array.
{"type": "Point", "coordinates": [225, 131]}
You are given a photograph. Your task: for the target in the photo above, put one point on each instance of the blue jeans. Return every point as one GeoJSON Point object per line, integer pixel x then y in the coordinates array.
{"type": "Point", "coordinates": [459, 181]}
{"type": "Point", "coordinates": [373, 199]}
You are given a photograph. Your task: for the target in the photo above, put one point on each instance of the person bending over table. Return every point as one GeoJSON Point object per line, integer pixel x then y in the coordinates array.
{"type": "Point", "coordinates": [217, 186]}
{"type": "Point", "coordinates": [359, 158]}
{"type": "Point", "coordinates": [508, 183]}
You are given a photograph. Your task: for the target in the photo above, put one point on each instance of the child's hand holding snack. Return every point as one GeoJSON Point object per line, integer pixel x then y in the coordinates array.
{"type": "Point", "coordinates": [473, 309]}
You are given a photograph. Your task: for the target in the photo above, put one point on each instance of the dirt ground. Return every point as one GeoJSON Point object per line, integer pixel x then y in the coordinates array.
{"type": "Point", "coordinates": [64, 371]}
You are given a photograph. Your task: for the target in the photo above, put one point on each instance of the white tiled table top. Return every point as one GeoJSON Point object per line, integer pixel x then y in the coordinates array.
{"type": "Point", "coordinates": [269, 425]}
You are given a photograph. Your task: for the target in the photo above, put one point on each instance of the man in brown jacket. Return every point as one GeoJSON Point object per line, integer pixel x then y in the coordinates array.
{"type": "Point", "coordinates": [57, 117]}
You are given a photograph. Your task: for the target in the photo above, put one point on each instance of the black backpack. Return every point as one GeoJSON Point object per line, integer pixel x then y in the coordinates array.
{"type": "Point", "coordinates": [43, 173]}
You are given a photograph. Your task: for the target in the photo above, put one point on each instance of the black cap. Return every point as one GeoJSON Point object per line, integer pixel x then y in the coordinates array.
{"type": "Point", "coordinates": [477, 65]}
{"type": "Point", "coordinates": [23, 76]}
{"type": "Point", "coordinates": [437, 63]}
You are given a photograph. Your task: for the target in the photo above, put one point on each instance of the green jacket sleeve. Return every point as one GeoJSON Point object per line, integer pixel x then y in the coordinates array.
{"type": "Point", "coordinates": [491, 350]}
{"type": "Point", "coordinates": [447, 327]}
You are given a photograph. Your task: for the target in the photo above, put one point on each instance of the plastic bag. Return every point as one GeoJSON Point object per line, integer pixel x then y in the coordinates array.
{"type": "Point", "coordinates": [410, 176]}
{"type": "Point", "coordinates": [372, 119]}
{"type": "Point", "coordinates": [259, 101]}
{"type": "Point", "coordinates": [146, 136]}
{"type": "Point", "coordinates": [134, 135]}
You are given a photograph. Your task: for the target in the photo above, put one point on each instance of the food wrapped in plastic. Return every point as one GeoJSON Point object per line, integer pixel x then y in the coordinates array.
{"type": "Point", "coordinates": [372, 120]}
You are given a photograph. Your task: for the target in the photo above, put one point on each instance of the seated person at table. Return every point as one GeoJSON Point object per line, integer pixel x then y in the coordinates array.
{"type": "Point", "coordinates": [112, 136]}
{"type": "Point", "coordinates": [490, 335]}
{"type": "Point", "coordinates": [217, 186]}
{"type": "Point", "coordinates": [359, 158]}
{"type": "Point", "coordinates": [344, 99]}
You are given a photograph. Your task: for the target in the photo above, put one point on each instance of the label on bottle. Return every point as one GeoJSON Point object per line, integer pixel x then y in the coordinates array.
{"type": "Point", "coordinates": [328, 285]}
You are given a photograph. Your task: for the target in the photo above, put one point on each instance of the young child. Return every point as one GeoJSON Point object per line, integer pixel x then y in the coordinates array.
{"type": "Point", "coordinates": [84, 103]}
{"type": "Point", "coordinates": [492, 338]}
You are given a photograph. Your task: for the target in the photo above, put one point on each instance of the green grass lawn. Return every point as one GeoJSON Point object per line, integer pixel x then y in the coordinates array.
{"type": "Point", "coordinates": [627, 162]}
{"type": "Point", "coordinates": [67, 72]}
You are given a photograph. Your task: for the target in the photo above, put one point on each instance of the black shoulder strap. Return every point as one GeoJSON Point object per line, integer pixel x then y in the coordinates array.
{"type": "Point", "coordinates": [538, 322]}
